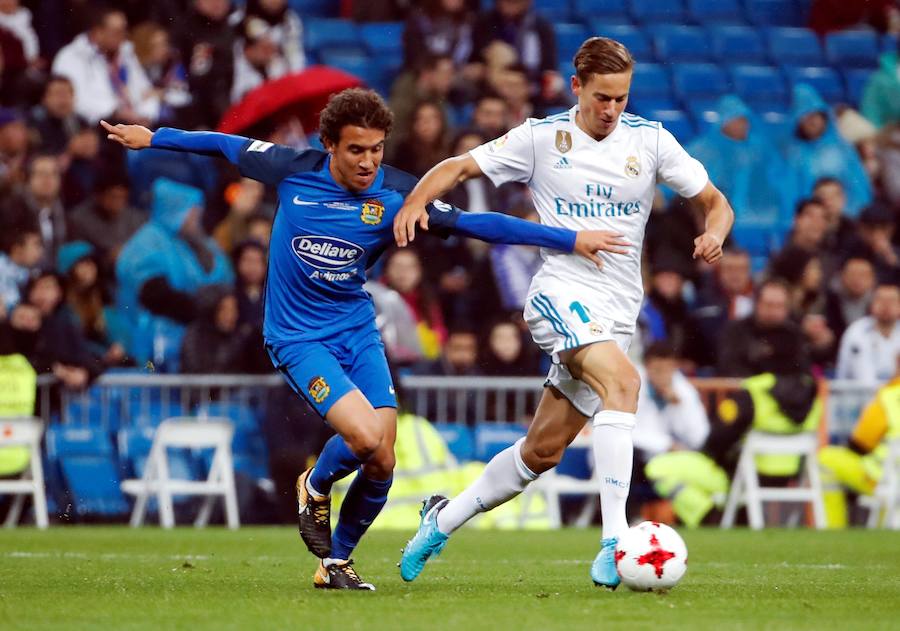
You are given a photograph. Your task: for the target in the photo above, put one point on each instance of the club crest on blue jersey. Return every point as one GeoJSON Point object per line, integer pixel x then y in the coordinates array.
{"type": "Point", "coordinates": [318, 389]}
{"type": "Point", "coordinates": [372, 212]}
{"type": "Point", "coordinates": [328, 253]}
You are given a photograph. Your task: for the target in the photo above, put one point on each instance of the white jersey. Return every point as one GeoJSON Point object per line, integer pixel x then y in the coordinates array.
{"type": "Point", "coordinates": [585, 184]}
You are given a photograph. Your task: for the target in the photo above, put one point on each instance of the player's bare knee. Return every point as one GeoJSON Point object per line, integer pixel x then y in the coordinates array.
{"type": "Point", "coordinates": [365, 443]}
{"type": "Point", "coordinates": [621, 390]}
{"type": "Point", "coordinates": [542, 456]}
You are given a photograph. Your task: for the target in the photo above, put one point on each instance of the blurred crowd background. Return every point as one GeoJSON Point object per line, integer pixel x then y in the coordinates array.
{"type": "Point", "coordinates": [157, 260]}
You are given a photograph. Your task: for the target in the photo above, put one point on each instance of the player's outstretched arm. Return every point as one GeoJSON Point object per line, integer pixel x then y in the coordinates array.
{"type": "Point", "coordinates": [499, 228]}
{"type": "Point", "coordinates": [440, 179]}
{"type": "Point", "coordinates": [719, 219]}
{"type": "Point", "coordinates": [203, 142]}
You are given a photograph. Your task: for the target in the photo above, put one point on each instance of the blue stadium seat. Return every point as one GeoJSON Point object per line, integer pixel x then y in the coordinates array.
{"type": "Point", "coordinates": [797, 46]}
{"type": "Point", "coordinates": [677, 122]}
{"type": "Point", "coordinates": [321, 32]}
{"type": "Point", "coordinates": [772, 12]}
{"type": "Point", "coordinates": [87, 462]}
{"type": "Point", "coordinates": [382, 37]}
{"type": "Point", "coordinates": [349, 60]}
{"type": "Point", "coordinates": [237, 413]}
{"type": "Point", "coordinates": [759, 84]}
{"type": "Point", "coordinates": [856, 79]}
{"type": "Point", "coordinates": [824, 79]}
{"type": "Point", "coordinates": [737, 44]}
{"type": "Point", "coordinates": [492, 438]}
{"type": "Point", "coordinates": [554, 10]}
{"type": "Point", "coordinates": [651, 81]}
{"type": "Point", "coordinates": [152, 413]}
{"type": "Point", "coordinates": [774, 120]}
{"type": "Point", "coordinates": [634, 39]}
{"type": "Point", "coordinates": [134, 447]}
{"type": "Point", "coordinates": [378, 77]}
{"type": "Point", "coordinates": [704, 113]}
{"type": "Point", "coordinates": [98, 406]}
{"type": "Point", "coordinates": [757, 240]}
{"type": "Point", "coordinates": [575, 463]}
{"type": "Point", "coordinates": [643, 105]}
{"type": "Point", "coordinates": [704, 81]}
{"type": "Point", "coordinates": [680, 43]}
{"type": "Point", "coordinates": [569, 38]}
{"type": "Point", "coordinates": [314, 8]}
{"type": "Point", "coordinates": [656, 12]}
{"type": "Point", "coordinates": [616, 9]}
{"type": "Point", "coordinates": [889, 43]}
{"type": "Point", "coordinates": [459, 438]}
{"type": "Point", "coordinates": [856, 48]}
{"type": "Point", "coordinates": [715, 11]}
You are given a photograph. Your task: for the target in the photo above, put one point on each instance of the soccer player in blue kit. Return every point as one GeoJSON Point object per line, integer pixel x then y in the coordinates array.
{"type": "Point", "coordinates": [335, 215]}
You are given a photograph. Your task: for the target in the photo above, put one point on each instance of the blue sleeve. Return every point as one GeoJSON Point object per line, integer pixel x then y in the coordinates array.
{"type": "Point", "coordinates": [497, 228]}
{"type": "Point", "coordinates": [257, 159]}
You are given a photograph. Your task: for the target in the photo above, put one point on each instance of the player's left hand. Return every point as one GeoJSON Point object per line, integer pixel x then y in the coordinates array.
{"type": "Point", "coordinates": [405, 223]}
{"type": "Point", "coordinates": [130, 136]}
{"type": "Point", "coordinates": [708, 247]}
{"type": "Point", "coordinates": [589, 242]}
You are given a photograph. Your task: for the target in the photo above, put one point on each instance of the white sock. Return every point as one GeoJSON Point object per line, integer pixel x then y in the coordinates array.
{"type": "Point", "coordinates": [613, 458]}
{"type": "Point", "coordinates": [504, 477]}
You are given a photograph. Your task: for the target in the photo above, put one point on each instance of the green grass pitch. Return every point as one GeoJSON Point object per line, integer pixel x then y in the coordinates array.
{"type": "Point", "coordinates": [260, 578]}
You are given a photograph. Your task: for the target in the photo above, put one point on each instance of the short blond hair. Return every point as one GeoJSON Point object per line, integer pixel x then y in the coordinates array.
{"type": "Point", "coordinates": [601, 55]}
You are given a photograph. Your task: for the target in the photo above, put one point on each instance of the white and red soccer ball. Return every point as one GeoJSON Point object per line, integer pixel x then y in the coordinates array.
{"type": "Point", "coordinates": [651, 557]}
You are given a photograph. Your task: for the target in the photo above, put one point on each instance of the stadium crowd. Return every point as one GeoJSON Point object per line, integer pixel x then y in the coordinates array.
{"type": "Point", "coordinates": [157, 259]}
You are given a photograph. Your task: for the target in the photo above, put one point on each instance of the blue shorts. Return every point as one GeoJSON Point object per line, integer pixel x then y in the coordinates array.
{"type": "Point", "coordinates": [324, 371]}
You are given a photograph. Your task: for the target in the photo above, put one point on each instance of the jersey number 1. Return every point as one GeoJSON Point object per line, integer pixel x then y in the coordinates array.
{"type": "Point", "coordinates": [581, 311]}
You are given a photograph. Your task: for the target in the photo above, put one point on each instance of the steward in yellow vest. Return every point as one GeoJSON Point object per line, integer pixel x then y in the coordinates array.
{"type": "Point", "coordinates": [18, 384]}
{"type": "Point", "coordinates": [697, 481]}
{"type": "Point", "coordinates": [858, 466]}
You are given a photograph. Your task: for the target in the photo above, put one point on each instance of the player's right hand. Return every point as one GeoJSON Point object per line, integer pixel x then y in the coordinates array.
{"type": "Point", "coordinates": [589, 242]}
{"type": "Point", "coordinates": [405, 223]}
{"type": "Point", "coordinates": [130, 136]}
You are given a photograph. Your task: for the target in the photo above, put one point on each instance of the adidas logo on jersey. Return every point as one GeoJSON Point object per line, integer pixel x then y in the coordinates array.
{"type": "Point", "coordinates": [563, 163]}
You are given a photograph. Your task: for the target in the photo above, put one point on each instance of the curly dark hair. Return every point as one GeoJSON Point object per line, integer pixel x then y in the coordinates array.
{"type": "Point", "coordinates": [354, 106]}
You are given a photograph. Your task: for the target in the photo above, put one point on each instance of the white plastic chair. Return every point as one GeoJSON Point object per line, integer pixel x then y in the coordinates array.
{"type": "Point", "coordinates": [884, 504]}
{"type": "Point", "coordinates": [191, 433]}
{"type": "Point", "coordinates": [26, 431]}
{"type": "Point", "coordinates": [745, 488]}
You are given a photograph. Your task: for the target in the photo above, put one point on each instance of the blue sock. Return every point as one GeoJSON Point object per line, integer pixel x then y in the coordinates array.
{"type": "Point", "coordinates": [364, 501]}
{"type": "Point", "coordinates": [335, 463]}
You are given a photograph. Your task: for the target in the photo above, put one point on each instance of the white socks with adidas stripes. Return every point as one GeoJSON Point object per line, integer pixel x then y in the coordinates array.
{"type": "Point", "coordinates": [613, 459]}
{"type": "Point", "coordinates": [504, 477]}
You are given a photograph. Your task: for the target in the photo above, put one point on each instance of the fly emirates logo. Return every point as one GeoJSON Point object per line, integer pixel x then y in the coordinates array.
{"type": "Point", "coordinates": [596, 203]}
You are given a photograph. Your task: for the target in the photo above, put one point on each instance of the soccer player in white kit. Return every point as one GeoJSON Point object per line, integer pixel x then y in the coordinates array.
{"type": "Point", "coordinates": [593, 167]}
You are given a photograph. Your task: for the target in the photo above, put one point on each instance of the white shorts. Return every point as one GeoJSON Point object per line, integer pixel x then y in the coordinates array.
{"type": "Point", "coordinates": [560, 322]}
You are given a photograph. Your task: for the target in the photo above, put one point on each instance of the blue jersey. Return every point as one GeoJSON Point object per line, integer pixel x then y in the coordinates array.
{"type": "Point", "coordinates": [325, 237]}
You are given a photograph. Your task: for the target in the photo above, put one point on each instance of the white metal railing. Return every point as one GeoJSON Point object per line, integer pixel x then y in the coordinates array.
{"type": "Point", "coordinates": [463, 400]}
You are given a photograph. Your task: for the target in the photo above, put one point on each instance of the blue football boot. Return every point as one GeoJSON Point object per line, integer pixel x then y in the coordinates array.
{"type": "Point", "coordinates": [603, 570]}
{"type": "Point", "coordinates": [427, 542]}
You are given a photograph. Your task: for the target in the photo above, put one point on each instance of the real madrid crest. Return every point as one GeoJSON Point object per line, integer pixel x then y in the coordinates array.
{"type": "Point", "coordinates": [595, 329]}
{"type": "Point", "coordinates": [563, 140]}
{"type": "Point", "coordinates": [632, 167]}
{"type": "Point", "coordinates": [372, 212]}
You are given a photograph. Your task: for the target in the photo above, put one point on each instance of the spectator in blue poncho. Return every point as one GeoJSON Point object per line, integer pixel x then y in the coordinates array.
{"type": "Point", "coordinates": [160, 270]}
{"type": "Point", "coordinates": [815, 150]}
{"type": "Point", "coordinates": [742, 161]}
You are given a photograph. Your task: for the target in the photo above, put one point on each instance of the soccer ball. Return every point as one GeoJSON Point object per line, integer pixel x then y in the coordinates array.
{"type": "Point", "coordinates": [651, 557]}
